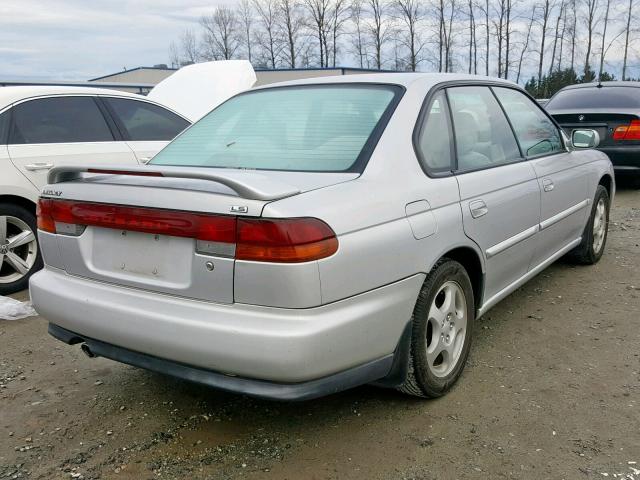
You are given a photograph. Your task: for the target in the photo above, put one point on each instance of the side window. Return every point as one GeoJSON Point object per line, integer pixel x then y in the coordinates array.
{"type": "Point", "coordinates": [145, 121]}
{"type": "Point", "coordinates": [536, 133]}
{"type": "Point", "coordinates": [4, 127]}
{"type": "Point", "coordinates": [483, 135]}
{"type": "Point", "coordinates": [435, 139]}
{"type": "Point", "coordinates": [59, 120]}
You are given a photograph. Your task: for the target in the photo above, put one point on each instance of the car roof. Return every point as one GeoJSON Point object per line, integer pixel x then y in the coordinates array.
{"type": "Point", "coordinates": [12, 94]}
{"type": "Point", "coordinates": [405, 79]}
{"type": "Point", "coordinates": [618, 83]}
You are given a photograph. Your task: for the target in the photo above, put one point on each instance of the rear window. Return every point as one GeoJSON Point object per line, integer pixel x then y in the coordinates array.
{"type": "Point", "coordinates": [593, 97]}
{"type": "Point", "coordinates": [303, 128]}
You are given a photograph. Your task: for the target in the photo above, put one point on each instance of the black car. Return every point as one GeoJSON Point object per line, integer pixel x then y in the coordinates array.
{"type": "Point", "coordinates": [610, 108]}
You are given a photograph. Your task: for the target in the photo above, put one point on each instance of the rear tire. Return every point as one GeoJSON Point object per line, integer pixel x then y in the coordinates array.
{"type": "Point", "coordinates": [19, 253]}
{"type": "Point", "coordinates": [442, 326]}
{"type": "Point", "coordinates": [594, 237]}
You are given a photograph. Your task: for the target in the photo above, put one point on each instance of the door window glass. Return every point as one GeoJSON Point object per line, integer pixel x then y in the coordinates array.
{"type": "Point", "coordinates": [4, 127]}
{"type": "Point", "coordinates": [435, 139]}
{"type": "Point", "coordinates": [59, 120]}
{"type": "Point", "coordinates": [483, 136]}
{"type": "Point", "coordinates": [536, 132]}
{"type": "Point", "coordinates": [145, 121]}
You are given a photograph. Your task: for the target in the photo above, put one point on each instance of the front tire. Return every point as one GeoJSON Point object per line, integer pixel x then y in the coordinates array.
{"type": "Point", "coordinates": [594, 237]}
{"type": "Point", "coordinates": [442, 326]}
{"type": "Point", "coordinates": [19, 253]}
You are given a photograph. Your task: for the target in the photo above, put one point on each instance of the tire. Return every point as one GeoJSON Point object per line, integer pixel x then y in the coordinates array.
{"type": "Point", "coordinates": [594, 237]}
{"type": "Point", "coordinates": [23, 259]}
{"type": "Point", "coordinates": [430, 375]}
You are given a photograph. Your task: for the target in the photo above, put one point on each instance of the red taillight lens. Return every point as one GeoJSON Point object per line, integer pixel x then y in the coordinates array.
{"type": "Point", "coordinates": [628, 132]}
{"type": "Point", "coordinates": [284, 240]}
{"type": "Point", "coordinates": [290, 240]}
{"type": "Point", "coordinates": [46, 222]}
{"type": "Point", "coordinates": [213, 228]}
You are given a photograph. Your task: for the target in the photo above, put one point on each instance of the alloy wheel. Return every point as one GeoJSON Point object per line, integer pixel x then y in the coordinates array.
{"type": "Point", "coordinates": [446, 329]}
{"type": "Point", "coordinates": [18, 249]}
{"type": "Point", "coordinates": [599, 226]}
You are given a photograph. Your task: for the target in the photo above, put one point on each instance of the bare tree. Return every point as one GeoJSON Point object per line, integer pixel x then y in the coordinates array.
{"type": "Point", "coordinates": [546, 12]}
{"type": "Point", "coordinates": [186, 51]}
{"type": "Point", "coordinates": [174, 55]}
{"type": "Point", "coordinates": [292, 25]}
{"type": "Point", "coordinates": [556, 36]}
{"type": "Point", "coordinates": [245, 16]}
{"type": "Point", "coordinates": [562, 32]}
{"type": "Point", "coordinates": [590, 20]}
{"type": "Point", "coordinates": [220, 40]}
{"type": "Point", "coordinates": [409, 13]}
{"type": "Point", "coordinates": [507, 36]}
{"type": "Point", "coordinates": [378, 28]}
{"type": "Point", "coordinates": [626, 40]}
{"type": "Point", "coordinates": [473, 44]}
{"type": "Point", "coordinates": [357, 35]}
{"type": "Point", "coordinates": [339, 16]}
{"type": "Point", "coordinates": [526, 43]}
{"type": "Point", "coordinates": [320, 17]}
{"type": "Point", "coordinates": [499, 32]}
{"type": "Point", "coordinates": [485, 9]}
{"type": "Point", "coordinates": [604, 37]}
{"type": "Point", "coordinates": [573, 32]}
{"type": "Point", "coordinates": [268, 39]}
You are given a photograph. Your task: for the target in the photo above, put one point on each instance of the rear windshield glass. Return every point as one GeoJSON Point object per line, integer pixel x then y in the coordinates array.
{"type": "Point", "coordinates": [605, 97]}
{"type": "Point", "coordinates": [303, 128]}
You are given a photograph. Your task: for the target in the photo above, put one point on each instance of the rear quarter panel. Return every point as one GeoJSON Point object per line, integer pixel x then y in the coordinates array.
{"type": "Point", "coordinates": [377, 245]}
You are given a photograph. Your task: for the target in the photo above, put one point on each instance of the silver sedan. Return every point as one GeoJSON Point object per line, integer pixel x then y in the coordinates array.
{"type": "Point", "coordinates": [315, 235]}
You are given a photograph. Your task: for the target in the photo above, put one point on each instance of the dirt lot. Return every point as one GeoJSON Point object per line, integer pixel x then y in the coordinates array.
{"type": "Point", "coordinates": [552, 390]}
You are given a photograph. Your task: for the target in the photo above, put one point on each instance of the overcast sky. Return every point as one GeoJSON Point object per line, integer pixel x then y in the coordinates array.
{"type": "Point", "coordinates": [82, 39]}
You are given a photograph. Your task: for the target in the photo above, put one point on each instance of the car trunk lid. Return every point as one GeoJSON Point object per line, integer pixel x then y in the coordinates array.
{"type": "Point", "coordinates": [602, 121]}
{"type": "Point", "coordinates": [163, 228]}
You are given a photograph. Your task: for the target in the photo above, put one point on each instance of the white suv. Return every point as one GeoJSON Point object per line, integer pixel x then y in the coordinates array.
{"type": "Point", "coordinates": [43, 127]}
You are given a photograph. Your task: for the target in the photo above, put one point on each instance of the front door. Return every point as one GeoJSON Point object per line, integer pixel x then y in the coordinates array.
{"type": "Point", "coordinates": [563, 183]}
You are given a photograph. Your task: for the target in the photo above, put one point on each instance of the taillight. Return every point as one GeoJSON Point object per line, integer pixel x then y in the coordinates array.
{"type": "Point", "coordinates": [46, 222]}
{"type": "Point", "coordinates": [284, 240]}
{"type": "Point", "coordinates": [264, 240]}
{"type": "Point", "coordinates": [628, 132]}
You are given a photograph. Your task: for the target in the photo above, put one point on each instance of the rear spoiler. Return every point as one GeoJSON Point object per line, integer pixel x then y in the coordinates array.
{"type": "Point", "coordinates": [247, 184]}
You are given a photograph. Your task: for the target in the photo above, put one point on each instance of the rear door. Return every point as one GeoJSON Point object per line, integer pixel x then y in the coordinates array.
{"type": "Point", "coordinates": [563, 180]}
{"type": "Point", "coordinates": [145, 126]}
{"type": "Point", "coordinates": [499, 193]}
{"type": "Point", "coordinates": [68, 130]}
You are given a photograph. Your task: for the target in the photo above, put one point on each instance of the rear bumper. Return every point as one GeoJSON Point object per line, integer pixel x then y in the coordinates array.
{"type": "Point", "coordinates": [253, 342]}
{"type": "Point", "coordinates": [337, 382]}
{"type": "Point", "coordinates": [625, 159]}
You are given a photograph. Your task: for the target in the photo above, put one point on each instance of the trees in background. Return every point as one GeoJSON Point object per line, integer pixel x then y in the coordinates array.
{"type": "Point", "coordinates": [505, 38]}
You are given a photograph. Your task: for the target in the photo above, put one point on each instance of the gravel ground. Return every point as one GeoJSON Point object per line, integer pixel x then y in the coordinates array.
{"type": "Point", "coordinates": [551, 390]}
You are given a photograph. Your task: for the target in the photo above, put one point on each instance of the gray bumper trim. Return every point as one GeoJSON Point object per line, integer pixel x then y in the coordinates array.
{"type": "Point", "coordinates": [366, 373]}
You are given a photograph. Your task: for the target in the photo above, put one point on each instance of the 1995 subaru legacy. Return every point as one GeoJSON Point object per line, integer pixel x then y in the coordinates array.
{"type": "Point", "coordinates": [308, 237]}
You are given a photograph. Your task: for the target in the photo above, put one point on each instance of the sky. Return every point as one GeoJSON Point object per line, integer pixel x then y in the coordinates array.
{"type": "Point", "coordinates": [83, 39]}
{"type": "Point", "coordinates": [79, 40]}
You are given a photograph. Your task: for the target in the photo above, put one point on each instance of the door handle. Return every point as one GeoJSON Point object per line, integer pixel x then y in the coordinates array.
{"type": "Point", "coordinates": [547, 185]}
{"type": "Point", "coordinates": [478, 208]}
{"type": "Point", "coordinates": [38, 166]}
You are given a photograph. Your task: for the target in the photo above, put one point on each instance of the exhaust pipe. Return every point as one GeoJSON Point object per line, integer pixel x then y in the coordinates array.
{"type": "Point", "coordinates": [87, 351]}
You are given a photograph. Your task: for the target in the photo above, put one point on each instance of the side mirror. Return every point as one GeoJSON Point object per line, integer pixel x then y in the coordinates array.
{"type": "Point", "coordinates": [585, 138]}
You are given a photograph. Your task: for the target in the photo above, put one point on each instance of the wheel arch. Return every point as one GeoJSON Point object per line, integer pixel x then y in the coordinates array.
{"type": "Point", "coordinates": [607, 182]}
{"type": "Point", "coordinates": [17, 200]}
{"type": "Point", "coordinates": [469, 258]}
